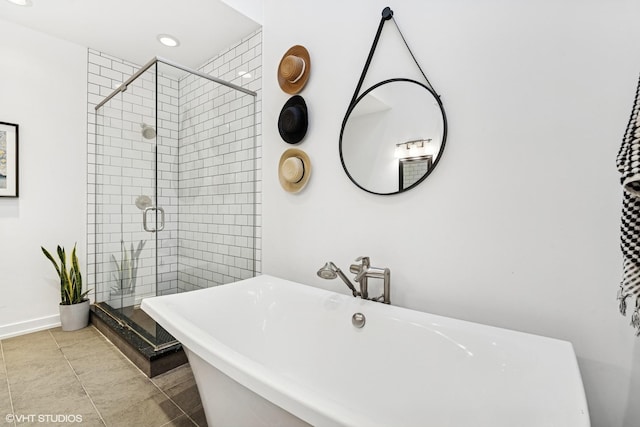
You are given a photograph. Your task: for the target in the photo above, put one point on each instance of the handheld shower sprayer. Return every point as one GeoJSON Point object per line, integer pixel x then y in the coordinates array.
{"type": "Point", "coordinates": [330, 271]}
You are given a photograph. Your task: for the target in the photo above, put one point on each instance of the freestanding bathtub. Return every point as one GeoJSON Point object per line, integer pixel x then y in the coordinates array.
{"type": "Point", "coordinates": [270, 352]}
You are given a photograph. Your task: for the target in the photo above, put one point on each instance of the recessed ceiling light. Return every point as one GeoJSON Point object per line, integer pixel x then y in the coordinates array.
{"type": "Point", "coordinates": [168, 40]}
{"type": "Point", "coordinates": [22, 2]}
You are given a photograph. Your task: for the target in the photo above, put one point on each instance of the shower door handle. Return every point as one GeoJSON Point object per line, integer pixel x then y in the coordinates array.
{"type": "Point", "coordinates": [161, 227]}
{"type": "Point", "coordinates": [144, 219]}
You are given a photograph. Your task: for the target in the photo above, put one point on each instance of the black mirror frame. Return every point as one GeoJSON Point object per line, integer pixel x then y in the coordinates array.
{"type": "Point", "coordinates": [442, 146]}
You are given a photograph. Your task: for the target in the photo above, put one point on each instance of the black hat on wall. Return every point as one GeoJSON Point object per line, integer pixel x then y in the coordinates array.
{"type": "Point", "coordinates": [293, 120]}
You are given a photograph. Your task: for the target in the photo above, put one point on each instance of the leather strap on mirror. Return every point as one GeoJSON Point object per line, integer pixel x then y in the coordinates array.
{"type": "Point", "coordinates": [387, 14]}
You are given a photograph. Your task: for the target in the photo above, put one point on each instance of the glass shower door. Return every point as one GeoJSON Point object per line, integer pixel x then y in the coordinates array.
{"type": "Point", "coordinates": [176, 191]}
{"type": "Point", "coordinates": [129, 218]}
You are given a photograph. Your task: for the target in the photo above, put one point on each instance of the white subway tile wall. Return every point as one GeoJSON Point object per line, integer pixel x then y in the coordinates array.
{"type": "Point", "coordinates": [208, 176]}
{"type": "Point", "coordinates": [218, 170]}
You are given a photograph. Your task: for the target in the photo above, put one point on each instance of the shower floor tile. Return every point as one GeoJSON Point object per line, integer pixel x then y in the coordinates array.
{"type": "Point", "coordinates": [52, 373]}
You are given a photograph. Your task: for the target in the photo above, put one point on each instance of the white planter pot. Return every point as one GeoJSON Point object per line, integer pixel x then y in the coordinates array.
{"type": "Point", "coordinates": [74, 316]}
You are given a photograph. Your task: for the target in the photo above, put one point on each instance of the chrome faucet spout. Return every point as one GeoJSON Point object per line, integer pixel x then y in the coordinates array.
{"type": "Point", "coordinates": [365, 271]}
{"type": "Point", "coordinates": [360, 269]}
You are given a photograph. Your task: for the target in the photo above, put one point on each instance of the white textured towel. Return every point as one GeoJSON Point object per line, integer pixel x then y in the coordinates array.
{"type": "Point", "coordinates": [628, 162]}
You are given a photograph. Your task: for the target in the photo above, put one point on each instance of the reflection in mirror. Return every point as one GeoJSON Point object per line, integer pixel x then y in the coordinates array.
{"type": "Point", "coordinates": [412, 169]}
{"type": "Point", "coordinates": [392, 122]}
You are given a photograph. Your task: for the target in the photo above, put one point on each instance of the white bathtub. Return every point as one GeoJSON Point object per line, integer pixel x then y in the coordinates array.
{"type": "Point", "coordinates": [270, 352]}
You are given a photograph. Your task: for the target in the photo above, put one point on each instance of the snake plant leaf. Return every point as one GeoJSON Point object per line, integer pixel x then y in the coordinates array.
{"type": "Point", "coordinates": [77, 276]}
{"type": "Point", "coordinates": [55, 264]}
{"type": "Point", "coordinates": [63, 259]}
{"type": "Point", "coordinates": [53, 261]}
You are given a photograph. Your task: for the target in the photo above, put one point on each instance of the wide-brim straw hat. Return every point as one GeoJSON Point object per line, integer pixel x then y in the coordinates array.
{"type": "Point", "coordinates": [293, 120]}
{"type": "Point", "coordinates": [294, 69]}
{"type": "Point", "coordinates": [294, 170]}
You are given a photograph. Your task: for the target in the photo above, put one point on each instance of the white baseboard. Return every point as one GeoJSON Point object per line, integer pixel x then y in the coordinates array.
{"type": "Point", "coordinates": [28, 326]}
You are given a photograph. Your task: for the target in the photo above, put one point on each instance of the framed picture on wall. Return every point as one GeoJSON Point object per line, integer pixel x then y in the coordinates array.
{"type": "Point", "coordinates": [8, 160]}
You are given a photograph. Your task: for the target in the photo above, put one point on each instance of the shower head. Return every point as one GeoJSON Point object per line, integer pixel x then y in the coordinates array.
{"type": "Point", "coordinates": [143, 202]}
{"type": "Point", "coordinates": [147, 131]}
{"type": "Point", "coordinates": [329, 271]}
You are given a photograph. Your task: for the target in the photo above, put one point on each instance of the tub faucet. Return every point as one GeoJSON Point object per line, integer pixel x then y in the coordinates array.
{"type": "Point", "coordinates": [360, 271]}
{"type": "Point", "coordinates": [363, 271]}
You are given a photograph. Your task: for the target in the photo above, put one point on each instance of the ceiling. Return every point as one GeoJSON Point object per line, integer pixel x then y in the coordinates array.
{"type": "Point", "coordinates": [127, 29]}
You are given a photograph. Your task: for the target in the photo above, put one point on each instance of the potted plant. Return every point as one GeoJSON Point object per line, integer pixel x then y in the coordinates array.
{"type": "Point", "coordinates": [74, 305]}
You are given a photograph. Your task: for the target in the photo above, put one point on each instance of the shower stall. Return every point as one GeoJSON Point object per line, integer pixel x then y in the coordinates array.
{"type": "Point", "coordinates": [174, 207]}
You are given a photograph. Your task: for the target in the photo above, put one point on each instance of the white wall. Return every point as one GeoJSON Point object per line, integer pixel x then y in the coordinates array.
{"type": "Point", "coordinates": [43, 85]}
{"type": "Point", "coordinates": [518, 225]}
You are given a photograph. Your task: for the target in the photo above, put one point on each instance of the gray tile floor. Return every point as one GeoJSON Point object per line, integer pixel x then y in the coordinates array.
{"type": "Point", "coordinates": [55, 378]}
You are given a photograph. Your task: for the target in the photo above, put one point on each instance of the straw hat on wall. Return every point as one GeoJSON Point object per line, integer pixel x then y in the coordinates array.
{"type": "Point", "coordinates": [294, 69]}
{"type": "Point", "coordinates": [294, 170]}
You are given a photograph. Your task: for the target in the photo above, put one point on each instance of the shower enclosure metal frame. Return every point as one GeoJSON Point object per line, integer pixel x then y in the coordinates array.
{"type": "Point", "coordinates": [161, 60]}
{"type": "Point", "coordinates": [159, 212]}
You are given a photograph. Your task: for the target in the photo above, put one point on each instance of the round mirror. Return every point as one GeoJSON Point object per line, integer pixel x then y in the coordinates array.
{"type": "Point", "coordinates": [393, 136]}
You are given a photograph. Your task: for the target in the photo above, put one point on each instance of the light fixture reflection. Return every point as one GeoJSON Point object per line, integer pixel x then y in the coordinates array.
{"type": "Point", "coordinates": [415, 148]}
